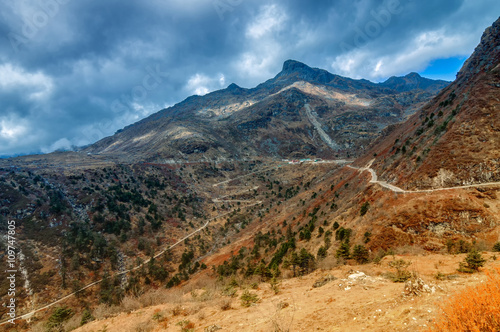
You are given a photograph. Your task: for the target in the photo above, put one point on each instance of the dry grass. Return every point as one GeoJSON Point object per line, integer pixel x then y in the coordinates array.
{"type": "Point", "coordinates": [73, 323]}
{"type": "Point", "coordinates": [159, 296]}
{"type": "Point", "coordinates": [144, 326]}
{"type": "Point", "coordinates": [130, 303]}
{"type": "Point", "coordinates": [105, 311]}
{"type": "Point", "coordinates": [473, 309]}
{"type": "Point", "coordinates": [194, 309]}
{"type": "Point", "coordinates": [328, 263]}
{"type": "Point", "coordinates": [282, 321]}
{"type": "Point", "coordinates": [204, 282]}
{"type": "Point", "coordinates": [413, 250]}
{"type": "Point", "coordinates": [202, 295]}
{"type": "Point", "coordinates": [39, 327]}
{"type": "Point", "coordinates": [178, 310]}
{"type": "Point", "coordinates": [225, 304]}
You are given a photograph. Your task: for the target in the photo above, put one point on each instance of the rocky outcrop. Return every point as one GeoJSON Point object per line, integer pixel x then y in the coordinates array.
{"type": "Point", "coordinates": [486, 56]}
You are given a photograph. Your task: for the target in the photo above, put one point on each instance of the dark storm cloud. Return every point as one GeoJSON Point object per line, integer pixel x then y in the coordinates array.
{"type": "Point", "coordinates": [72, 72]}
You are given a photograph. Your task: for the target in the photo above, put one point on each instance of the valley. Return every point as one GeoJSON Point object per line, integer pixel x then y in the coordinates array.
{"type": "Point", "coordinates": [238, 194]}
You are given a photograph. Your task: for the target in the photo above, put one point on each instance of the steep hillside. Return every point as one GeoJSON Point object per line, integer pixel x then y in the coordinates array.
{"type": "Point", "coordinates": [270, 120]}
{"type": "Point", "coordinates": [455, 139]}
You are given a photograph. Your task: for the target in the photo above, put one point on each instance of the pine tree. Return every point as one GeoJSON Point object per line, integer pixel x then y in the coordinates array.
{"type": "Point", "coordinates": [344, 250]}
{"type": "Point", "coordinates": [360, 254]}
{"type": "Point", "coordinates": [306, 261]}
{"type": "Point", "coordinates": [473, 262]}
{"type": "Point", "coordinates": [321, 252]}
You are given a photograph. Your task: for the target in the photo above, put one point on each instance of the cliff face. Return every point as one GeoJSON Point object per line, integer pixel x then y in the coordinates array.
{"type": "Point", "coordinates": [455, 138]}
{"type": "Point", "coordinates": [486, 56]}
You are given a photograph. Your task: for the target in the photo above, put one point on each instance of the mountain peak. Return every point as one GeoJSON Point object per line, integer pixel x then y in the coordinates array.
{"type": "Point", "coordinates": [291, 66]}
{"type": "Point", "coordinates": [294, 70]}
{"type": "Point", "coordinates": [413, 81]}
{"type": "Point", "coordinates": [233, 86]}
{"type": "Point", "coordinates": [413, 75]}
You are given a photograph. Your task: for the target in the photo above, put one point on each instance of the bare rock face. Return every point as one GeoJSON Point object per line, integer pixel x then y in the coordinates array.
{"type": "Point", "coordinates": [486, 56]}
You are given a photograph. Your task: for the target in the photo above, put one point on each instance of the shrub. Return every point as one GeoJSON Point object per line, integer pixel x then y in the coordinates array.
{"type": "Point", "coordinates": [496, 247]}
{"type": "Point", "coordinates": [186, 325]}
{"type": "Point", "coordinates": [86, 317]}
{"type": "Point", "coordinates": [475, 308]}
{"type": "Point", "coordinates": [402, 273]}
{"type": "Point", "coordinates": [367, 236]}
{"type": "Point", "coordinates": [305, 261]}
{"type": "Point", "coordinates": [229, 291]}
{"type": "Point", "coordinates": [225, 304]}
{"type": "Point", "coordinates": [379, 256]}
{"type": "Point", "coordinates": [365, 207]}
{"type": "Point", "coordinates": [275, 285]}
{"type": "Point", "coordinates": [463, 247]}
{"type": "Point", "coordinates": [472, 262]}
{"type": "Point", "coordinates": [59, 316]}
{"type": "Point", "coordinates": [247, 299]}
{"type": "Point", "coordinates": [177, 310]}
{"type": "Point", "coordinates": [343, 234]}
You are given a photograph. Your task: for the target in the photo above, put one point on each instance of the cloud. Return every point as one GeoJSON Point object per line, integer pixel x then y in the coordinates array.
{"type": "Point", "coordinates": [12, 128]}
{"type": "Point", "coordinates": [415, 56]}
{"type": "Point", "coordinates": [35, 85]}
{"type": "Point", "coordinates": [87, 69]}
{"type": "Point", "coordinates": [263, 43]}
{"type": "Point", "coordinates": [269, 21]}
{"type": "Point", "coordinates": [200, 84]}
{"type": "Point", "coordinates": [62, 144]}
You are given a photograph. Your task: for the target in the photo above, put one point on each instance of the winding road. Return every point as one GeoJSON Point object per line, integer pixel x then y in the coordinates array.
{"type": "Point", "coordinates": [396, 189]}
{"type": "Point", "coordinates": [248, 174]}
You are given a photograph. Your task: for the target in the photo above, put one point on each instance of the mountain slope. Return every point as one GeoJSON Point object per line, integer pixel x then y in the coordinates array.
{"type": "Point", "coordinates": [270, 120]}
{"type": "Point", "coordinates": [454, 139]}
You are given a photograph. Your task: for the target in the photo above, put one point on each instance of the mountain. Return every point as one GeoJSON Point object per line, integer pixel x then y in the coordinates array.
{"type": "Point", "coordinates": [414, 81]}
{"type": "Point", "coordinates": [454, 139]}
{"type": "Point", "coordinates": [272, 120]}
{"type": "Point", "coordinates": [109, 230]}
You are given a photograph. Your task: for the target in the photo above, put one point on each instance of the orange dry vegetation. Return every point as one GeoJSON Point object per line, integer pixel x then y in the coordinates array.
{"type": "Point", "coordinates": [473, 309]}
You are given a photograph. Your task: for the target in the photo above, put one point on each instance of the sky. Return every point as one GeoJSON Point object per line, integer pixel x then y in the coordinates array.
{"type": "Point", "coordinates": [73, 72]}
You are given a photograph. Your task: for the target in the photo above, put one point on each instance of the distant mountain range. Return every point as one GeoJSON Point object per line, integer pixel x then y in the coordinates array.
{"type": "Point", "coordinates": [271, 120]}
